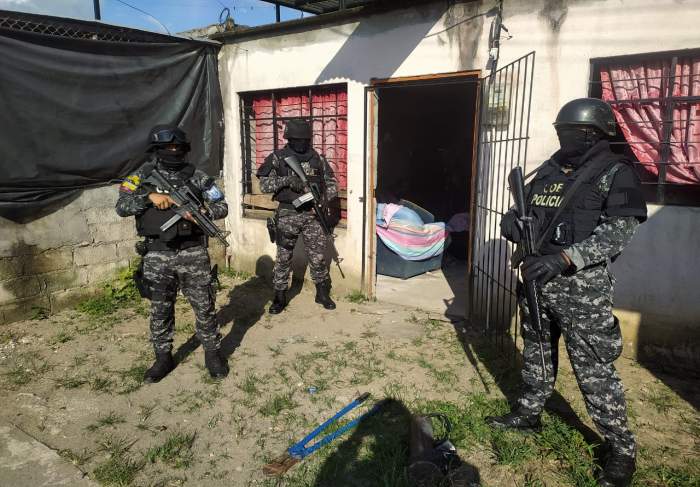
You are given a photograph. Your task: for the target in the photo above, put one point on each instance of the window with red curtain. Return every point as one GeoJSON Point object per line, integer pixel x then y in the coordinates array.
{"type": "Point", "coordinates": [263, 117]}
{"type": "Point", "coordinates": [656, 101]}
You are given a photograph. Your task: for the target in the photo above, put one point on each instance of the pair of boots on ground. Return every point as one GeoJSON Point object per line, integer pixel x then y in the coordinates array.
{"type": "Point", "coordinates": [617, 470]}
{"type": "Point", "coordinates": [323, 297]}
{"type": "Point", "coordinates": [216, 365]}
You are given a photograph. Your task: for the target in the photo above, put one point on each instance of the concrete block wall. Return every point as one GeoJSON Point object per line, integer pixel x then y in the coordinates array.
{"type": "Point", "coordinates": [58, 260]}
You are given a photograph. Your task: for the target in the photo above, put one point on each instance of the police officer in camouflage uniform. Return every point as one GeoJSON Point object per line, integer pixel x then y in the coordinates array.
{"type": "Point", "coordinates": [278, 179]}
{"type": "Point", "coordinates": [178, 257]}
{"type": "Point", "coordinates": [575, 285]}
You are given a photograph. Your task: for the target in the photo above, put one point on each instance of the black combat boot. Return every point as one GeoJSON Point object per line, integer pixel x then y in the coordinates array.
{"type": "Point", "coordinates": [279, 303]}
{"type": "Point", "coordinates": [323, 295]}
{"type": "Point", "coordinates": [517, 420]}
{"type": "Point", "coordinates": [216, 364]}
{"type": "Point", "coordinates": [618, 470]}
{"type": "Point", "coordinates": [163, 365]}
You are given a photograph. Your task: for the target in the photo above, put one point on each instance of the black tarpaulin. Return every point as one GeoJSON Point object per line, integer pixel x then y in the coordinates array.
{"type": "Point", "coordinates": [75, 112]}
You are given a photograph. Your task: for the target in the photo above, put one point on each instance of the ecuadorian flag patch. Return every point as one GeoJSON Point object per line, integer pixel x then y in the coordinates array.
{"type": "Point", "coordinates": [130, 184]}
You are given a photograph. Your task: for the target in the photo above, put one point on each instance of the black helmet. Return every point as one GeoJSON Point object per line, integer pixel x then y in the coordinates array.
{"type": "Point", "coordinates": [162, 135]}
{"type": "Point", "coordinates": [589, 112]}
{"type": "Point", "coordinates": [297, 128]}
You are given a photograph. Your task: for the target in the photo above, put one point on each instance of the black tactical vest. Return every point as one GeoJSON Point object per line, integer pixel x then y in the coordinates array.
{"type": "Point", "coordinates": [585, 208]}
{"type": "Point", "coordinates": [313, 168]}
{"type": "Point", "coordinates": [183, 233]}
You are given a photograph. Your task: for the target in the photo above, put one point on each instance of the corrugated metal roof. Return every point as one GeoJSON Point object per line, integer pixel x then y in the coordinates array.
{"type": "Point", "coordinates": [324, 6]}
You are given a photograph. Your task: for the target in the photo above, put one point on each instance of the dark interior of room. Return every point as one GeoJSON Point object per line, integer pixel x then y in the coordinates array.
{"type": "Point", "coordinates": [425, 144]}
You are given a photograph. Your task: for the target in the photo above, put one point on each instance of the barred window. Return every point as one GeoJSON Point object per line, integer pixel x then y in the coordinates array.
{"type": "Point", "coordinates": [656, 100]}
{"type": "Point", "coordinates": [263, 118]}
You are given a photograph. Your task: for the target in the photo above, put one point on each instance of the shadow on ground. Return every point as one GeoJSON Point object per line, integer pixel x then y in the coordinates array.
{"type": "Point", "coordinates": [376, 453]}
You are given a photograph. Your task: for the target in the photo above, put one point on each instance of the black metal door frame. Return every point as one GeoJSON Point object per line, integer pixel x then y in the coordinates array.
{"type": "Point", "coordinates": [504, 131]}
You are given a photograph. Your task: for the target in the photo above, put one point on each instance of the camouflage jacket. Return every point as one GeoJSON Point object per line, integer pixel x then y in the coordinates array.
{"type": "Point", "coordinates": [271, 182]}
{"type": "Point", "coordinates": [610, 237]}
{"type": "Point", "coordinates": [133, 195]}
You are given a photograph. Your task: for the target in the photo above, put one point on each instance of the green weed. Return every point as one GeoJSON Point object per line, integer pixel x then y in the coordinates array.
{"type": "Point", "coordinates": [356, 297]}
{"type": "Point", "coordinates": [661, 398]}
{"type": "Point", "coordinates": [61, 337]}
{"type": "Point", "coordinates": [119, 469]}
{"type": "Point", "coordinates": [278, 403]}
{"type": "Point", "coordinates": [70, 381]}
{"type": "Point", "coordinates": [175, 452]}
{"type": "Point", "coordinates": [110, 420]}
{"type": "Point", "coordinates": [234, 274]}
{"type": "Point", "coordinates": [116, 294]}
{"type": "Point", "coordinates": [39, 313]}
{"type": "Point", "coordinates": [100, 384]}
{"type": "Point", "coordinates": [27, 368]}
{"type": "Point", "coordinates": [76, 458]}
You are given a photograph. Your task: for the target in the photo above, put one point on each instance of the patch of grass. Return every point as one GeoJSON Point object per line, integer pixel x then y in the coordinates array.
{"type": "Point", "coordinates": [80, 360]}
{"type": "Point", "coordinates": [511, 448]}
{"type": "Point", "coordinates": [110, 420]}
{"type": "Point", "coordinates": [665, 476]}
{"type": "Point", "coordinates": [278, 403]}
{"type": "Point", "coordinates": [661, 398]}
{"type": "Point", "coordinates": [27, 368]}
{"type": "Point", "coordinates": [250, 383]}
{"type": "Point", "coordinates": [175, 452]}
{"type": "Point", "coordinates": [356, 297]}
{"type": "Point", "coordinates": [76, 458]}
{"type": "Point", "coordinates": [186, 328]}
{"type": "Point", "coordinates": [215, 420]}
{"type": "Point", "coordinates": [132, 378]}
{"type": "Point", "coordinates": [568, 446]}
{"type": "Point", "coordinates": [39, 313]}
{"type": "Point", "coordinates": [61, 337]}
{"type": "Point", "coordinates": [101, 384]}
{"type": "Point", "coordinates": [276, 350]}
{"type": "Point", "coordinates": [119, 469]}
{"type": "Point", "coordinates": [116, 294]}
{"type": "Point", "coordinates": [70, 381]}
{"type": "Point", "coordinates": [192, 401]}
{"type": "Point", "coordinates": [234, 274]}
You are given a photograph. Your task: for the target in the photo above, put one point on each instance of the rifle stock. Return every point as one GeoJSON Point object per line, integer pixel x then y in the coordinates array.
{"type": "Point", "coordinates": [517, 188]}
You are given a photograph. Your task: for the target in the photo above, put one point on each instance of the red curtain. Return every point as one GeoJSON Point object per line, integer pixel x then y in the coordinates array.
{"type": "Point", "coordinates": [636, 92]}
{"type": "Point", "coordinates": [328, 111]}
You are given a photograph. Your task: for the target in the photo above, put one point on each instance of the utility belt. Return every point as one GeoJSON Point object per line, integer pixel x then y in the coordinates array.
{"type": "Point", "coordinates": [284, 206]}
{"type": "Point", "coordinates": [156, 244]}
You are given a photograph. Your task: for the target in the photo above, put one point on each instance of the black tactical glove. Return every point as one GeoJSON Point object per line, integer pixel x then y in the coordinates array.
{"type": "Point", "coordinates": [295, 184]}
{"type": "Point", "coordinates": [544, 268]}
{"type": "Point", "coordinates": [511, 227]}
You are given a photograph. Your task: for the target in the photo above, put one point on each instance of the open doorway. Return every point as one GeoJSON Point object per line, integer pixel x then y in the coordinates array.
{"type": "Point", "coordinates": [425, 143]}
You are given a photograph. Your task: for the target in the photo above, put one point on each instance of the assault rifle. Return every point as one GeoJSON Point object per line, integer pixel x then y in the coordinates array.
{"type": "Point", "coordinates": [527, 248]}
{"type": "Point", "coordinates": [314, 194]}
{"type": "Point", "coordinates": [186, 201]}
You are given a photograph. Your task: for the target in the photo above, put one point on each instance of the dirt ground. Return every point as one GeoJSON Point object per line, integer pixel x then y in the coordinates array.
{"type": "Point", "coordinates": [73, 381]}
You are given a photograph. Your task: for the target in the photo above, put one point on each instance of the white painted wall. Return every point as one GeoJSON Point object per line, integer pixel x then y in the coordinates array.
{"type": "Point", "coordinates": [453, 36]}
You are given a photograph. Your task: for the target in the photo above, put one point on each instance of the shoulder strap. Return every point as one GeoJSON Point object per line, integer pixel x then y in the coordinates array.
{"type": "Point", "coordinates": [568, 196]}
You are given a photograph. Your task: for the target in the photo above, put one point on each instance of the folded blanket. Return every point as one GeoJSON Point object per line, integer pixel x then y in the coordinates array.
{"type": "Point", "coordinates": [402, 230]}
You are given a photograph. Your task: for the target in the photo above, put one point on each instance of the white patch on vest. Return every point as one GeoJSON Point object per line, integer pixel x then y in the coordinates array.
{"type": "Point", "coordinates": [214, 194]}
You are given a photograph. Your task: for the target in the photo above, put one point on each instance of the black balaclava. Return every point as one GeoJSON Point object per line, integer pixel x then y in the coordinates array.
{"type": "Point", "coordinates": [172, 160]}
{"type": "Point", "coordinates": [300, 146]}
{"type": "Point", "coordinates": [575, 141]}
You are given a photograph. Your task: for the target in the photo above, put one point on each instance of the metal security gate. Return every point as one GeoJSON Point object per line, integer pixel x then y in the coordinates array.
{"type": "Point", "coordinates": [503, 136]}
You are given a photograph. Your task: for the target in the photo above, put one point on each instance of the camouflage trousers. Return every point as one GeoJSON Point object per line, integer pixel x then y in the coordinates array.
{"type": "Point", "coordinates": [579, 308]}
{"type": "Point", "coordinates": [290, 225]}
{"type": "Point", "coordinates": [189, 270]}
